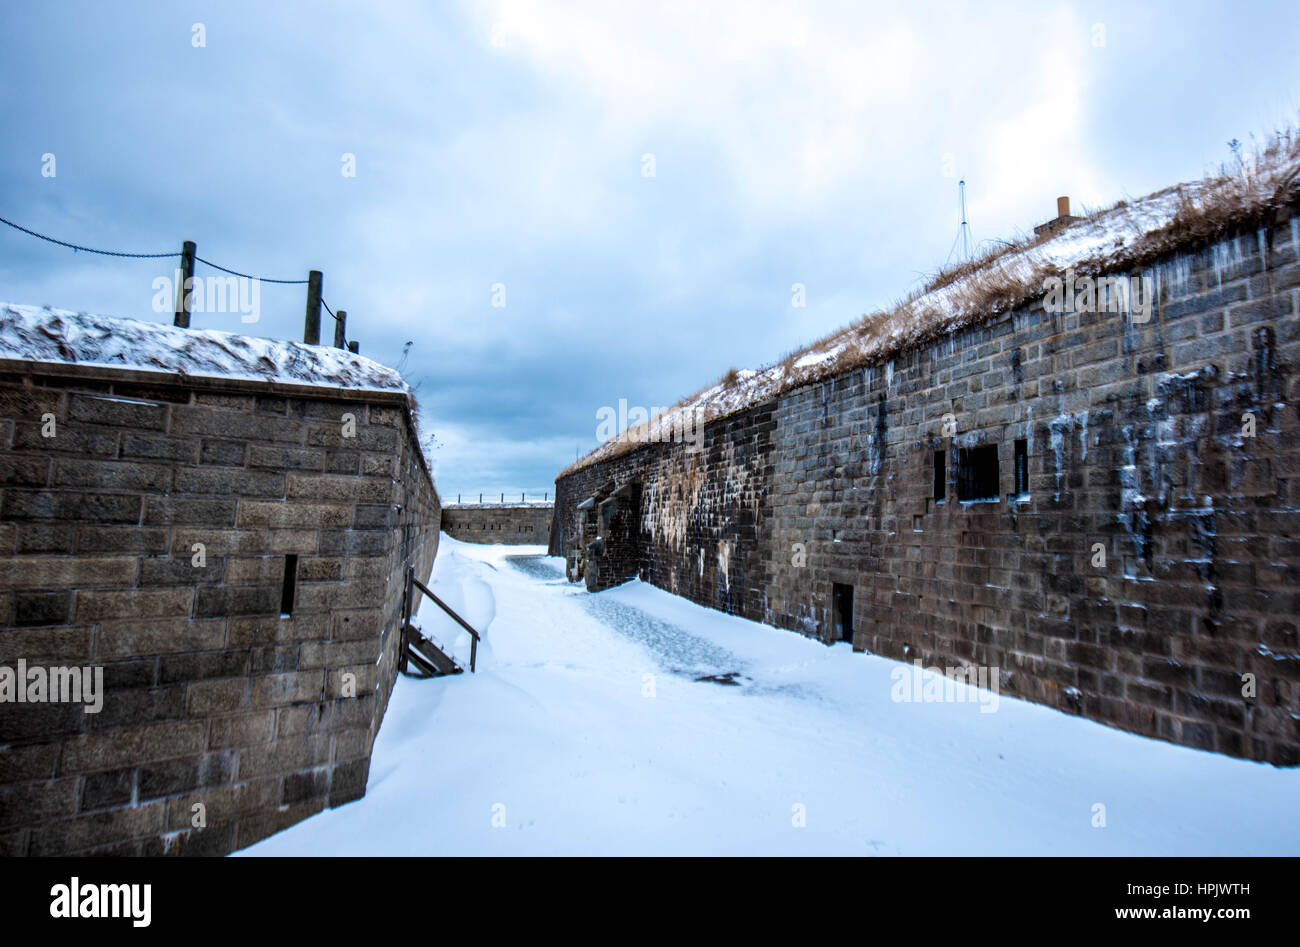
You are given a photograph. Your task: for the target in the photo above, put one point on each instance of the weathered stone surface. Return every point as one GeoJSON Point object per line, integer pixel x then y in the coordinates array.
{"type": "Point", "coordinates": [528, 524]}
{"type": "Point", "coordinates": [164, 564]}
{"type": "Point", "coordinates": [1134, 447]}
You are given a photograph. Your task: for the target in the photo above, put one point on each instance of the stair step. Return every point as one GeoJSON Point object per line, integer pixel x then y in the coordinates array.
{"type": "Point", "coordinates": [423, 669]}
{"type": "Point", "coordinates": [428, 656]}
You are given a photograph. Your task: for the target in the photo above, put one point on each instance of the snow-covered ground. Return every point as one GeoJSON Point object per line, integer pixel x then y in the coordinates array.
{"type": "Point", "coordinates": [585, 731]}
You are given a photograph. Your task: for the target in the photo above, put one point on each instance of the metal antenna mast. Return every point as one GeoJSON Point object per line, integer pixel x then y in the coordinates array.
{"type": "Point", "coordinates": [965, 224]}
{"type": "Point", "coordinates": [963, 232]}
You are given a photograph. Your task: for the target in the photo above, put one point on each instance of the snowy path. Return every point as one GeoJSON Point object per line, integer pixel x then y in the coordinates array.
{"type": "Point", "coordinates": [585, 732]}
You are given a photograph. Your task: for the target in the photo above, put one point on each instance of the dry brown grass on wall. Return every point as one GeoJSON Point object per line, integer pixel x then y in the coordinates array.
{"type": "Point", "coordinates": [1229, 200]}
{"type": "Point", "coordinates": [1262, 182]}
{"type": "Point", "coordinates": [1251, 191]}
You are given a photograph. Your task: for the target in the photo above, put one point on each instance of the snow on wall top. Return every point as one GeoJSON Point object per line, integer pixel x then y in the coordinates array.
{"type": "Point", "coordinates": [57, 336]}
{"type": "Point", "coordinates": [1127, 234]}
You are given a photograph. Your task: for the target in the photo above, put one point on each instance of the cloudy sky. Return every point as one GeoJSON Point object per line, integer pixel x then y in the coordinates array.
{"type": "Point", "coordinates": [641, 184]}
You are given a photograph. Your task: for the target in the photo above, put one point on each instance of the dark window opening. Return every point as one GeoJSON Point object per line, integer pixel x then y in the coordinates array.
{"type": "Point", "coordinates": [977, 473]}
{"type": "Point", "coordinates": [290, 580]}
{"type": "Point", "coordinates": [1022, 467]}
{"type": "Point", "coordinates": [842, 611]}
{"type": "Point", "coordinates": [940, 475]}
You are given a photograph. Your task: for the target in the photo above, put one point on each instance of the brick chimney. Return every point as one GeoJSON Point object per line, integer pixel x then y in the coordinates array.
{"type": "Point", "coordinates": [1060, 221]}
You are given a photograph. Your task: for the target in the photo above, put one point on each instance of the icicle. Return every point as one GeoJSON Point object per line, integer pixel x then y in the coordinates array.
{"type": "Point", "coordinates": [1227, 257]}
{"type": "Point", "coordinates": [1123, 295]}
{"type": "Point", "coordinates": [1166, 277]}
{"type": "Point", "coordinates": [1180, 272]}
{"type": "Point", "coordinates": [1058, 428]}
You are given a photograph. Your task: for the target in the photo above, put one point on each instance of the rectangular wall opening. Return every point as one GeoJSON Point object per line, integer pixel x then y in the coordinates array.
{"type": "Point", "coordinates": [940, 476]}
{"type": "Point", "coordinates": [290, 582]}
{"type": "Point", "coordinates": [1022, 467]}
{"type": "Point", "coordinates": [842, 612]}
{"type": "Point", "coordinates": [977, 473]}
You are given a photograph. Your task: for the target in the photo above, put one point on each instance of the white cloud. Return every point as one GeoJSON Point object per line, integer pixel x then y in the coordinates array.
{"type": "Point", "coordinates": [477, 461]}
{"type": "Point", "coordinates": [795, 142]}
{"type": "Point", "coordinates": [801, 103]}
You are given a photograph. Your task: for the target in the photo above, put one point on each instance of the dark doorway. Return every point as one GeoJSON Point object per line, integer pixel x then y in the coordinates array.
{"type": "Point", "coordinates": [842, 612]}
{"type": "Point", "coordinates": [615, 548]}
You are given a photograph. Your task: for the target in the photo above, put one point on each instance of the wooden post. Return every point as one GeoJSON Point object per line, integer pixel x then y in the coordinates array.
{"type": "Point", "coordinates": [339, 324]}
{"type": "Point", "coordinates": [186, 274]}
{"type": "Point", "coordinates": [405, 614]}
{"type": "Point", "coordinates": [311, 327]}
{"type": "Point", "coordinates": [354, 347]}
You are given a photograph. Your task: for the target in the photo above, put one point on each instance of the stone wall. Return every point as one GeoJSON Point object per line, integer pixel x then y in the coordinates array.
{"type": "Point", "coordinates": [700, 512]}
{"type": "Point", "coordinates": [146, 526]}
{"type": "Point", "coordinates": [525, 523]}
{"type": "Point", "coordinates": [1149, 561]}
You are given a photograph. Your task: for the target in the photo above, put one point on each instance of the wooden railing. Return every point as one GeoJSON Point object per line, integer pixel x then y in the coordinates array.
{"type": "Point", "coordinates": [414, 585]}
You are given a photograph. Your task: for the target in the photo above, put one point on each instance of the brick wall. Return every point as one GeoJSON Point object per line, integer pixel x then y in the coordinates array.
{"type": "Point", "coordinates": [1152, 563]}
{"type": "Point", "coordinates": [213, 697]}
{"type": "Point", "coordinates": [499, 523]}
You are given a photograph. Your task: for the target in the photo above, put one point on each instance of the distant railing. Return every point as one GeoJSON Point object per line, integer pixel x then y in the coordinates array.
{"type": "Point", "coordinates": [523, 498]}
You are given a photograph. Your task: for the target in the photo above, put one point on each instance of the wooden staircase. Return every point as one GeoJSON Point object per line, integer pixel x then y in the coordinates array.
{"type": "Point", "coordinates": [422, 658]}
{"type": "Point", "coordinates": [418, 652]}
